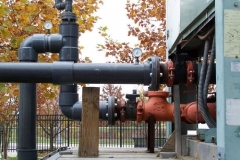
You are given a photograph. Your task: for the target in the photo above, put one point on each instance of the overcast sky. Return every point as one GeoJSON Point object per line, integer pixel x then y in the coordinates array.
{"type": "Point", "coordinates": [113, 15]}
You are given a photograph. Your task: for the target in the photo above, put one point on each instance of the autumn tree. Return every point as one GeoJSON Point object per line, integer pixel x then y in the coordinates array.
{"type": "Point", "coordinates": [49, 114]}
{"type": "Point", "coordinates": [149, 23]}
{"type": "Point", "coordinates": [8, 111]}
{"type": "Point", "coordinates": [111, 90]}
{"type": "Point", "coordinates": [22, 18]}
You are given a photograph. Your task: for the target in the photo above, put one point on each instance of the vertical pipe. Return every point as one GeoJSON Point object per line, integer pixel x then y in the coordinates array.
{"type": "Point", "coordinates": [27, 122]}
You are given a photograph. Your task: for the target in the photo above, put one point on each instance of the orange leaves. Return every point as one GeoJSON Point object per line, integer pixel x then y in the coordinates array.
{"type": "Point", "coordinates": [149, 17]}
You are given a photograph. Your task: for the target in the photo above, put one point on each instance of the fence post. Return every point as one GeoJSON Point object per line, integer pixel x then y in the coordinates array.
{"type": "Point", "coordinates": [120, 134]}
{"type": "Point", "coordinates": [68, 133]}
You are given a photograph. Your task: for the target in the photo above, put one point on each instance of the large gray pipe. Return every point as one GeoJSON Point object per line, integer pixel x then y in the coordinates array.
{"type": "Point", "coordinates": [70, 73]}
{"type": "Point", "coordinates": [28, 52]}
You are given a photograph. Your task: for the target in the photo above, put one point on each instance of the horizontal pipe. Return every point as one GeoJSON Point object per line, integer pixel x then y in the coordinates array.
{"type": "Point", "coordinates": [91, 73]}
{"type": "Point", "coordinates": [69, 73]}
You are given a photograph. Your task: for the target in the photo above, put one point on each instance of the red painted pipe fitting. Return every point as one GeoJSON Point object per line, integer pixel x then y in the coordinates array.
{"type": "Point", "coordinates": [158, 106]}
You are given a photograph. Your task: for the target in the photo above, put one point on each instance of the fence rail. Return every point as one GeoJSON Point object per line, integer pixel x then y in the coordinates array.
{"type": "Point", "coordinates": [55, 131]}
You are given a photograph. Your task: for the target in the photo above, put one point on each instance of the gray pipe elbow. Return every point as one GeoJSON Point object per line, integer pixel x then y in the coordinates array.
{"type": "Point", "coordinates": [26, 52]}
{"type": "Point", "coordinates": [39, 43]}
{"type": "Point", "coordinates": [73, 112]}
{"type": "Point", "coordinates": [77, 111]}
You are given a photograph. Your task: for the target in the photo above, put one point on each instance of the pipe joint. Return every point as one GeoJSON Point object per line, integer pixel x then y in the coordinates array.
{"type": "Point", "coordinates": [39, 43]}
{"type": "Point", "coordinates": [62, 73]}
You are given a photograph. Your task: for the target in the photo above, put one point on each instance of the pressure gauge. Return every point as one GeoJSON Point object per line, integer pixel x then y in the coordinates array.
{"type": "Point", "coordinates": [48, 25]}
{"type": "Point", "coordinates": [137, 52]}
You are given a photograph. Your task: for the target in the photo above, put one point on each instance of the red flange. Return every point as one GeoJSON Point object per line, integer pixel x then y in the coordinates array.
{"type": "Point", "coordinates": [190, 73]}
{"type": "Point", "coordinates": [171, 69]}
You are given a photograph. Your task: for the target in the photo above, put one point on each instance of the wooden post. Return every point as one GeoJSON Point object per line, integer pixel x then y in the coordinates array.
{"type": "Point", "coordinates": [177, 120]}
{"type": "Point", "coordinates": [89, 135]}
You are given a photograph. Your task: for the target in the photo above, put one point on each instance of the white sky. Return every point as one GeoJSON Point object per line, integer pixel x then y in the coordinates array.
{"type": "Point", "coordinates": [113, 15]}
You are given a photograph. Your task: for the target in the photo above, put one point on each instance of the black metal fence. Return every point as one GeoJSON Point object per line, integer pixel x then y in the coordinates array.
{"type": "Point", "coordinates": [55, 131]}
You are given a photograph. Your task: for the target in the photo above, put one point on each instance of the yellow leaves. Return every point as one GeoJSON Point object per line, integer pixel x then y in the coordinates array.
{"type": "Point", "coordinates": [5, 33]}
{"type": "Point", "coordinates": [84, 16]}
{"type": "Point", "coordinates": [90, 1]}
{"type": "Point", "coordinates": [23, 1]}
{"type": "Point", "coordinates": [29, 28]}
{"type": "Point", "coordinates": [104, 34]}
{"type": "Point", "coordinates": [87, 60]}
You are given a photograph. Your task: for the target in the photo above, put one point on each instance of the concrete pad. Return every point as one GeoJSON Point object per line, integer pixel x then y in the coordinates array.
{"type": "Point", "coordinates": [167, 155]}
{"type": "Point", "coordinates": [114, 153]}
{"type": "Point", "coordinates": [201, 150]}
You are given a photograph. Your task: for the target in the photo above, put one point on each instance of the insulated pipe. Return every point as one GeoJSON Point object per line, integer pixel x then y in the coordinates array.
{"type": "Point", "coordinates": [201, 96]}
{"type": "Point", "coordinates": [207, 80]}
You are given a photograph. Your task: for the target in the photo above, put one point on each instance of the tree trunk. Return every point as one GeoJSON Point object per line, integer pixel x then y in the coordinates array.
{"type": "Point", "coordinates": [5, 140]}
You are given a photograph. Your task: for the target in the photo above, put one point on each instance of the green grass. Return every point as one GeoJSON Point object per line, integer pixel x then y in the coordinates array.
{"type": "Point", "coordinates": [12, 158]}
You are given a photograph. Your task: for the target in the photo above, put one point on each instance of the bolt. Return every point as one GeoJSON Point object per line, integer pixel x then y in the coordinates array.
{"type": "Point", "coordinates": [235, 4]}
{"type": "Point", "coordinates": [149, 59]}
{"type": "Point", "coordinates": [115, 114]}
{"type": "Point", "coordinates": [161, 74]}
{"type": "Point", "coordinates": [134, 91]}
{"type": "Point", "coordinates": [150, 74]}
{"type": "Point", "coordinates": [190, 80]}
{"type": "Point", "coordinates": [236, 56]}
{"type": "Point", "coordinates": [171, 78]}
{"type": "Point", "coordinates": [106, 114]}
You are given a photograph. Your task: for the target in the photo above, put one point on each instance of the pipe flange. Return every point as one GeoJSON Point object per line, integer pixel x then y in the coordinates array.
{"type": "Point", "coordinates": [170, 77]}
{"type": "Point", "coordinates": [190, 73]}
{"type": "Point", "coordinates": [155, 73]}
{"type": "Point", "coordinates": [111, 115]}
